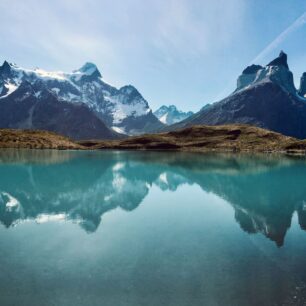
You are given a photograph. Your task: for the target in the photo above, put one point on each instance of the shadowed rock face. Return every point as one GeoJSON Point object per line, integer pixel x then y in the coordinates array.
{"type": "Point", "coordinates": [281, 60]}
{"type": "Point", "coordinates": [251, 69]}
{"type": "Point", "coordinates": [24, 110]}
{"type": "Point", "coordinates": [264, 105]}
{"type": "Point", "coordinates": [302, 90]}
{"type": "Point", "coordinates": [265, 97]}
{"type": "Point", "coordinates": [83, 186]}
{"type": "Point", "coordinates": [5, 70]}
{"type": "Point", "coordinates": [277, 71]}
{"type": "Point", "coordinates": [248, 76]}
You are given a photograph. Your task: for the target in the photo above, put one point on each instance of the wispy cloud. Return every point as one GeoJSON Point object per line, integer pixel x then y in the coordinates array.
{"type": "Point", "coordinates": [267, 51]}
{"type": "Point", "coordinates": [299, 22]}
{"type": "Point", "coordinates": [160, 46]}
{"type": "Point", "coordinates": [187, 29]}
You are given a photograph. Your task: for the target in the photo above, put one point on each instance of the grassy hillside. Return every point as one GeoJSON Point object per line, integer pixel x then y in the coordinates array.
{"type": "Point", "coordinates": [33, 139]}
{"type": "Point", "coordinates": [231, 138]}
{"type": "Point", "coordinates": [225, 138]}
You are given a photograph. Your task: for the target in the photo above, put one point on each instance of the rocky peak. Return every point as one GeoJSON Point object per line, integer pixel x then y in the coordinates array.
{"type": "Point", "coordinates": [251, 69]}
{"type": "Point", "coordinates": [281, 60]}
{"type": "Point", "coordinates": [302, 90]}
{"type": "Point", "coordinates": [277, 71]}
{"type": "Point", "coordinates": [89, 69]}
{"type": "Point", "coordinates": [5, 69]}
{"type": "Point", "coordinates": [170, 114]}
{"type": "Point", "coordinates": [248, 76]}
{"type": "Point", "coordinates": [131, 93]}
{"type": "Point", "coordinates": [129, 89]}
{"type": "Point", "coordinates": [172, 108]}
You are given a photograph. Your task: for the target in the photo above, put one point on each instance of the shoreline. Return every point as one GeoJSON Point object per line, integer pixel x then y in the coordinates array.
{"type": "Point", "coordinates": [202, 139]}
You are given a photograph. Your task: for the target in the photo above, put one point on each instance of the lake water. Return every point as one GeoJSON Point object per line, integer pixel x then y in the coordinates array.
{"type": "Point", "coordinates": [142, 228]}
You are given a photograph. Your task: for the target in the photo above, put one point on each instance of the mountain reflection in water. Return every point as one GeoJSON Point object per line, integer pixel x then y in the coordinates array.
{"type": "Point", "coordinates": [263, 190]}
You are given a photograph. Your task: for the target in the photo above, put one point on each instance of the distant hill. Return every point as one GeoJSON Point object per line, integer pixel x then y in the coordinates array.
{"type": "Point", "coordinates": [224, 138]}
{"type": "Point", "coordinates": [29, 139]}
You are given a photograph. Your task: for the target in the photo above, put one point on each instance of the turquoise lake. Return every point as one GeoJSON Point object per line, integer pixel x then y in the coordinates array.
{"type": "Point", "coordinates": [151, 228]}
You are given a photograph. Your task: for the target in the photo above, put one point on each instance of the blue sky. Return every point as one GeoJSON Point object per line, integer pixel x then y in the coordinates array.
{"type": "Point", "coordinates": [182, 52]}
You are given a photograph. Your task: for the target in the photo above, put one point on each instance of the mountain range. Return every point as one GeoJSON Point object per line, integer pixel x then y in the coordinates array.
{"type": "Point", "coordinates": [170, 114]}
{"type": "Point", "coordinates": [265, 97]}
{"type": "Point", "coordinates": [78, 104]}
{"type": "Point", "coordinates": [81, 105]}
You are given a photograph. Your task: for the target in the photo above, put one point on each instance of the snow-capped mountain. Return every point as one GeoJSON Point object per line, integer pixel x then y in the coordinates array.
{"type": "Point", "coordinates": [170, 114]}
{"type": "Point", "coordinates": [264, 97]}
{"type": "Point", "coordinates": [124, 110]}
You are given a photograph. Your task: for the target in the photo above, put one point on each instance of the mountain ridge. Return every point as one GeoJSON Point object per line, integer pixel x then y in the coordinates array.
{"type": "Point", "coordinates": [124, 110]}
{"type": "Point", "coordinates": [265, 97]}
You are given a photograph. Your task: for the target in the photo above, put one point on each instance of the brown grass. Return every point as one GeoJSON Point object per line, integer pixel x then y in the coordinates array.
{"type": "Point", "coordinates": [34, 139]}
{"type": "Point", "coordinates": [225, 138]}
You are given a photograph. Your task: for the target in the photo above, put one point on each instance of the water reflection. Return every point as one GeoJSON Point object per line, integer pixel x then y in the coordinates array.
{"type": "Point", "coordinates": [264, 191]}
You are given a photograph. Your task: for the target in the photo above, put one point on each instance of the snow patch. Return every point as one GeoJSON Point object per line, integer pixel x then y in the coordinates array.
{"type": "Point", "coordinates": [58, 75]}
{"type": "Point", "coordinates": [10, 87]}
{"type": "Point", "coordinates": [122, 110]}
{"type": "Point", "coordinates": [72, 97]}
{"type": "Point", "coordinates": [118, 130]}
{"type": "Point", "coordinates": [163, 119]}
{"type": "Point", "coordinates": [37, 94]}
{"type": "Point", "coordinates": [55, 90]}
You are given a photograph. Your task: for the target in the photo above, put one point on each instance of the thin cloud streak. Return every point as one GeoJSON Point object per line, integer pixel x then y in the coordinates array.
{"type": "Point", "coordinates": [280, 38]}
{"type": "Point", "coordinates": [174, 51]}
{"type": "Point", "coordinates": [299, 22]}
